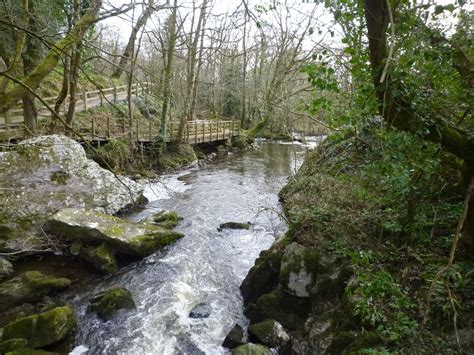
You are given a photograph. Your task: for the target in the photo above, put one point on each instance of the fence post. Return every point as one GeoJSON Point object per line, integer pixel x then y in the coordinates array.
{"type": "Point", "coordinates": [101, 96]}
{"type": "Point", "coordinates": [137, 134]}
{"type": "Point", "coordinates": [7, 123]}
{"type": "Point", "coordinates": [136, 89]}
{"type": "Point", "coordinates": [93, 127]}
{"type": "Point", "coordinates": [150, 125]}
{"type": "Point", "coordinates": [115, 94]}
{"type": "Point", "coordinates": [85, 99]}
{"type": "Point", "coordinates": [108, 126]}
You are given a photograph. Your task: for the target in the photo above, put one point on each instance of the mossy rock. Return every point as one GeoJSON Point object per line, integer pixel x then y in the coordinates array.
{"type": "Point", "coordinates": [166, 219]}
{"type": "Point", "coordinates": [12, 344]}
{"type": "Point", "coordinates": [6, 267]}
{"type": "Point", "coordinates": [108, 303]}
{"type": "Point", "coordinates": [234, 338]}
{"type": "Point", "coordinates": [42, 329]}
{"type": "Point", "coordinates": [101, 258]}
{"type": "Point", "coordinates": [176, 156]}
{"type": "Point", "coordinates": [290, 311]}
{"type": "Point", "coordinates": [269, 333]}
{"type": "Point", "coordinates": [263, 276]}
{"type": "Point", "coordinates": [251, 349]}
{"type": "Point", "coordinates": [299, 268]}
{"type": "Point", "coordinates": [234, 225]}
{"type": "Point", "coordinates": [365, 340]}
{"type": "Point", "coordinates": [30, 286]}
{"type": "Point", "coordinates": [341, 342]}
{"type": "Point", "coordinates": [126, 237]}
{"type": "Point", "coordinates": [30, 352]}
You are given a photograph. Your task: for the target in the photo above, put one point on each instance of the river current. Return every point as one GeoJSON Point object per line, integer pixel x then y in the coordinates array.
{"type": "Point", "coordinates": [205, 266]}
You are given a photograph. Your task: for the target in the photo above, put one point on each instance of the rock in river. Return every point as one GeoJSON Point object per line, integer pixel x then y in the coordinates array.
{"type": "Point", "coordinates": [234, 225]}
{"type": "Point", "coordinates": [43, 175]}
{"type": "Point", "coordinates": [234, 338]}
{"type": "Point", "coordinates": [42, 329]}
{"type": "Point", "coordinates": [140, 239]}
{"type": "Point", "coordinates": [202, 310]}
{"type": "Point", "coordinates": [101, 258]}
{"type": "Point", "coordinates": [252, 349]}
{"type": "Point", "coordinates": [30, 286]}
{"type": "Point", "coordinates": [109, 302]}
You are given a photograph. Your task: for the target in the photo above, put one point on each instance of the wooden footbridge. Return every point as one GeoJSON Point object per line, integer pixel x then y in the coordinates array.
{"type": "Point", "coordinates": [93, 129]}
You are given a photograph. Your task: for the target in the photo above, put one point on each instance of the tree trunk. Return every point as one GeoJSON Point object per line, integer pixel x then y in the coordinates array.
{"type": "Point", "coordinates": [74, 77]}
{"type": "Point", "coordinates": [243, 120]}
{"type": "Point", "coordinates": [191, 74]}
{"type": "Point", "coordinates": [168, 69]}
{"type": "Point", "coordinates": [30, 114]}
{"type": "Point", "coordinates": [128, 52]}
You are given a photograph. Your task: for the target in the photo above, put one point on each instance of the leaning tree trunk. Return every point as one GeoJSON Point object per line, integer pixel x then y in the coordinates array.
{"type": "Point", "coordinates": [32, 81]}
{"type": "Point", "coordinates": [128, 52]}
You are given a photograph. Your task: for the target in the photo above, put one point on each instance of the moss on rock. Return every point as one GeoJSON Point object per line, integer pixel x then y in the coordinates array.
{"type": "Point", "coordinates": [12, 344]}
{"type": "Point", "coordinates": [251, 349]}
{"type": "Point", "coordinates": [269, 333]}
{"type": "Point", "coordinates": [139, 239]}
{"type": "Point", "coordinates": [108, 303]}
{"type": "Point", "coordinates": [290, 311]}
{"type": "Point", "coordinates": [29, 287]}
{"type": "Point", "coordinates": [166, 219]}
{"type": "Point", "coordinates": [101, 257]}
{"type": "Point", "coordinates": [42, 329]}
{"type": "Point", "coordinates": [176, 156]}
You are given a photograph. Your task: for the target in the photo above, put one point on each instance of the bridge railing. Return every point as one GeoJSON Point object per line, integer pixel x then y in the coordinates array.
{"type": "Point", "coordinates": [13, 118]}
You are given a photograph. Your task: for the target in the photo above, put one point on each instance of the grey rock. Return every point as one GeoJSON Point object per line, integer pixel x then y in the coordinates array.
{"type": "Point", "coordinates": [43, 175]}
{"type": "Point", "coordinates": [126, 237]}
{"type": "Point", "coordinates": [202, 310]}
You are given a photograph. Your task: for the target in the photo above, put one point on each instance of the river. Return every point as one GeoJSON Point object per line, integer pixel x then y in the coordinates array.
{"type": "Point", "coordinates": [205, 266]}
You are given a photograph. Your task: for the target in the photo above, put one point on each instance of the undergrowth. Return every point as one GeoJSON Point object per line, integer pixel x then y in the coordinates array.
{"type": "Point", "coordinates": [388, 203]}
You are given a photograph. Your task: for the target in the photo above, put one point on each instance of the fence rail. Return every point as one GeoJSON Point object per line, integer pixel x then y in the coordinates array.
{"type": "Point", "coordinates": [200, 131]}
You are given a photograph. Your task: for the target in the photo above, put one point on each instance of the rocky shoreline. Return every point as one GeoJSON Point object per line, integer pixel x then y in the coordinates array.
{"type": "Point", "coordinates": [59, 209]}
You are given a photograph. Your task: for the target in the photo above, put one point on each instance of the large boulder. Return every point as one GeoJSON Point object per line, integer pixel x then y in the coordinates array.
{"type": "Point", "coordinates": [126, 237]}
{"type": "Point", "coordinates": [269, 332]}
{"type": "Point", "coordinates": [109, 302]}
{"type": "Point", "coordinates": [298, 269]}
{"type": "Point", "coordinates": [252, 349]}
{"type": "Point", "coordinates": [43, 175]}
{"type": "Point", "coordinates": [234, 338]}
{"type": "Point", "coordinates": [42, 329]}
{"type": "Point", "coordinates": [30, 286]}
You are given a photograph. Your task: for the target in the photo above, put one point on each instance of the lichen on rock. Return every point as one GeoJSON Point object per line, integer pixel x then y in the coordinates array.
{"type": "Point", "coordinates": [140, 239]}
{"type": "Point", "coordinates": [42, 175]}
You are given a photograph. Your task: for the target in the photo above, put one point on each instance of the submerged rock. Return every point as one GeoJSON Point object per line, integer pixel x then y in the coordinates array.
{"type": "Point", "coordinates": [269, 332]}
{"type": "Point", "coordinates": [202, 310]}
{"type": "Point", "coordinates": [42, 175]}
{"type": "Point", "coordinates": [109, 302]}
{"type": "Point", "coordinates": [252, 349]}
{"type": "Point", "coordinates": [30, 286]}
{"type": "Point", "coordinates": [234, 338]}
{"type": "Point", "coordinates": [42, 329]}
{"type": "Point", "coordinates": [234, 225]}
{"type": "Point", "coordinates": [126, 237]}
{"type": "Point", "coordinates": [100, 257]}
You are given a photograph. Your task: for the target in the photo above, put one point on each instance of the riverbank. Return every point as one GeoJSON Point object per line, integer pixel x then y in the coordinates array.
{"type": "Point", "coordinates": [352, 273]}
{"type": "Point", "coordinates": [56, 258]}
